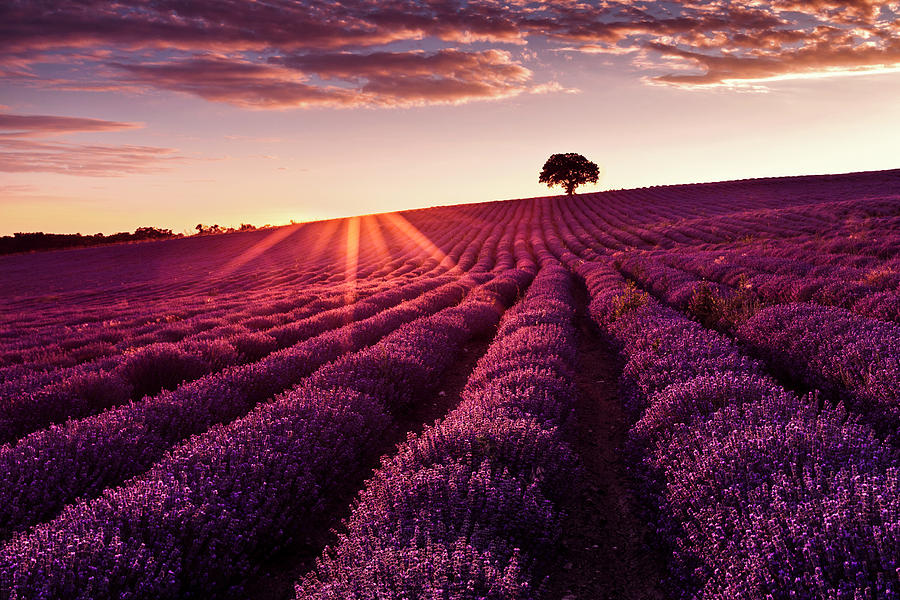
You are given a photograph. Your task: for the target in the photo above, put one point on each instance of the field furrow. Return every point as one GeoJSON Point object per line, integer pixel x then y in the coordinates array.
{"type": "Point", "coordinates": [607, 550]}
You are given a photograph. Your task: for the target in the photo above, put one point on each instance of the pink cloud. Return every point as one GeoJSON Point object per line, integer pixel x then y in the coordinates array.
{"type": "Point", "coordinates": [490, 64]}
{"type": "Point", "coordinates": [378, 79]}
{"type": "Point", "coordinates": [12, 125]}
{"type": "Point", "coordinates": [93, 160]}
{"type": "Point", "coordinates": [19, 153]}
{"type": "Point", "coordinates": [276, 54]}
{"type": "Point", "coordinates": [404, 78]}
{"type": "Point", "coordinates": [816, 59]}
{"type": "Point", "coordinates": [714, 43]}
{"type": "Point", "coordinates": [251, 85]}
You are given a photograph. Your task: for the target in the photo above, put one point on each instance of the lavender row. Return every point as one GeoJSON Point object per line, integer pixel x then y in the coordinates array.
{"type": "Point", "coordinates": [202, 519]}
{"type": "Point", "coordinates": [80, 343]}
{"type": "Point", "coordinates": [250, 312]}
{"type": "Point", "coordinates": [859, 241]}
{"type": "Point", "coordinates": [166, 312]}
{"type": "Point", "coordinates": [758, 493]}
{"type": "Point", "coordinates": [52, 467]}
{"type": "Point", "coordinates": [647, 219]}
{"type": "Point", "coordinates": [370, 257]}
{"type": "Point", "coordinates": [728, 262]}
{"type": "Point", "coordinates": [244, 329]}
{"type": "Point", "coordinates": [672, 285]}
{"type": "Point", "coordinates": [471, 507]}
{"type": "Point", "coordinates": [794, 281]}
{"type": "Point", "coordinates": [159, 367]}
{"type": "Point", "coordinates": [849, 357]}
{"type": "Point", "coordinates": [789, 222]}
{"type": "Point", "coordinates": [837, 250]}
{"type": "Point", "coordinates": [142, 332]}
{"type": "Point", "coordinates": [467, 250]}
{"type": "Point", "coordinates": [94, 350]}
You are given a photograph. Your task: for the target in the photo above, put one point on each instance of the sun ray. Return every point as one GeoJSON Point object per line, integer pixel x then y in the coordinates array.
{"type": "Point", "coordinates": [351, 262]}
{"type": "Point", "coordinates": [257, 249]}
{"type": "Point", "coordinates": [324, 239]}
{"type": "Point", "coordinates": [413, 234]}
{"type": "Point", "coordinates": [373, 232]}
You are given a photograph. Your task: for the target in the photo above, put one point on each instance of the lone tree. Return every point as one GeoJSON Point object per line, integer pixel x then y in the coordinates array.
{"type": "Point", "coordinates": [569, 170]}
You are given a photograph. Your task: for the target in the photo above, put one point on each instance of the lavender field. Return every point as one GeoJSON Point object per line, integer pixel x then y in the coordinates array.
{"type": "Point", "coordinates": [671, 392]}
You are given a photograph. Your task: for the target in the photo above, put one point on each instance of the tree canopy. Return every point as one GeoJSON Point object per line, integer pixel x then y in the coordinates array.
{"type": "Point", "coordinates": [569, 170]}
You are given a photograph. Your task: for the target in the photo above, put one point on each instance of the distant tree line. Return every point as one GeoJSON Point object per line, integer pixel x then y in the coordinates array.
{"type": "Point", "coordinates": [30, 242]}
{"type": "Point", "coordinates": [214, 229]}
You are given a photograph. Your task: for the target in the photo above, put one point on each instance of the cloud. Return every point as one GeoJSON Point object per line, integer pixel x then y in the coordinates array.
{"type": "Point", "coordinates": [18, 189]}
{"type": "Point", "coordinates": [552, 87]}
{"type": "Point", "coordinates": [365, 53]}
{"type": "Point", "coordinates": [377, 79]}
{"type": "Point", "coordinates": [20, 153]}
{"type": "Point", "coordinates": [490, 64]}
{"type": "Point", "coordinates": [820, 60]}
{"type": "Point", "coordinates": [250, 85]}
{"type": "Point", "coordinates": [228, 51]}
{"type": "Point", "coordinates": [236, 24]}
{"type": "Point", "coordinates": [19, 156]}
{"type": "Point", "coordinates": [405, 78]}
{"type": "Point", "coordinates": [715, 43]}
{"type": "Point", "coordinates": [12, 125]}
{"type": "Point", "coordinates": [743, 48]}
{"type": "Point", "coordinates": [253, 138]}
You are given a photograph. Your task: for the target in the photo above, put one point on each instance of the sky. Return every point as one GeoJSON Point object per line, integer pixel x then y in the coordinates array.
{"type": "Point", "coordinates": [168, 113]}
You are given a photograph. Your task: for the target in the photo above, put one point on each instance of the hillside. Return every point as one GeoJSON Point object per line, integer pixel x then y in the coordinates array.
{"type": "Point", "coordinates": [681, 391]}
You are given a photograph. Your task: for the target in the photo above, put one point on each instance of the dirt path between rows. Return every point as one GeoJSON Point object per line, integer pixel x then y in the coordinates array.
{"type": "Point", "coordinates": [276, 580]}
{"type": "Point", "coordinates": [608, 552]}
